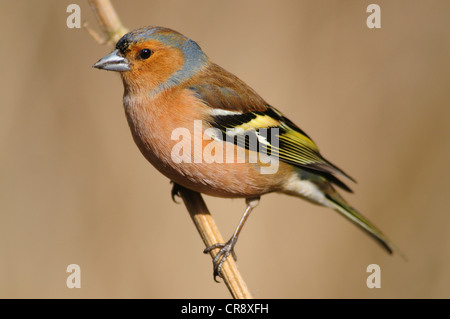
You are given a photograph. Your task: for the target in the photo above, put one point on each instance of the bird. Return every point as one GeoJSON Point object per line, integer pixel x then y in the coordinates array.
{"type": "Point", "coordinates": [208, 131]}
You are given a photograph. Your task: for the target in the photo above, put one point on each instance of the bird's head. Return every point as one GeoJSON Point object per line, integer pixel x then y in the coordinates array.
{"type": "Point", "coordinates": [154, 59]}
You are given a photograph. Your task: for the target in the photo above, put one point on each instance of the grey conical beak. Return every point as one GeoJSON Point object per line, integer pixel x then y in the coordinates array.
{"type": "Point", "coordinates": [113, 62]}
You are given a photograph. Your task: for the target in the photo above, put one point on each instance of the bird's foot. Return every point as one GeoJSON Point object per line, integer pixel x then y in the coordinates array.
{"type": "Point", "coordinates": [225, 250]}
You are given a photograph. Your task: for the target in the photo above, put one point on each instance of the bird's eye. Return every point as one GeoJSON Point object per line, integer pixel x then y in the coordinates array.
{"type": "Point", "coordinates": [144, 54]}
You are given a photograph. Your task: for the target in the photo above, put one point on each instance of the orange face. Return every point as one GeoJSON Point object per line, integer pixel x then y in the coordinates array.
{"type": "Point", "coordinates": [152, 59]}
{"type": "Point", "coordinates": [151, 64]}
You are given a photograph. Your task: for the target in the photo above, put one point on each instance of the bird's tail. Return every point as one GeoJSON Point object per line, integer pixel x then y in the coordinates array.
{"type": "Point", "coordinates": [340, 205]}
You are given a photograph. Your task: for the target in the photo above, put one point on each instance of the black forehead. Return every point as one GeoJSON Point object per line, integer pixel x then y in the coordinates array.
{"type": "Point", "coordinates": [123, 44]}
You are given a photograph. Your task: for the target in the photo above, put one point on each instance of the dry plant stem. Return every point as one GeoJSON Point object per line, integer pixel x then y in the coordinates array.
{"type": "Point", "coordinates": [210, 234]}
{"type": "Point", "coordinates": [108, 19]}
{"type": "Point", "coordinates": [113, 28]}
{"type": "Point", "coordinates": [99, 39]}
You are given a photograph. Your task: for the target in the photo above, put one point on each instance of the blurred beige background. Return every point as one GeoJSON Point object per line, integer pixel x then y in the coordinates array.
{"type": "Point", "coordinates": [75, 189]}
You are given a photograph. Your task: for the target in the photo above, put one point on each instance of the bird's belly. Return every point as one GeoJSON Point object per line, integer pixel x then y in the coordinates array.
{"type": "Point", "coordinates": [215, 176]}
{"type": "Point", "coordinates": [175, 142]}
{"type": "Point", "coordinates": [207, 166]}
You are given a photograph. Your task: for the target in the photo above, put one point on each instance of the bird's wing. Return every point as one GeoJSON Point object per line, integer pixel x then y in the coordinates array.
{"type": "Point", "coordinates": [237, 110]}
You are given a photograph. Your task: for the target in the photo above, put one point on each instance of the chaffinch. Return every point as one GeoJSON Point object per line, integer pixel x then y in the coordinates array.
{"type": "Point", "coordinates": [208, 131]}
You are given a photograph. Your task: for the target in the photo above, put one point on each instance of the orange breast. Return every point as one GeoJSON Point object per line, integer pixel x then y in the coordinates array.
{"type": "Point", "coordinates": [171, 131]}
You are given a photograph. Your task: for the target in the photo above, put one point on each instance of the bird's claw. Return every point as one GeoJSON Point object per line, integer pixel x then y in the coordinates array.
{"type": "Point", "coordinates": [225, 250]}
{"type": "Point", "coordinates": [175, 192]}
